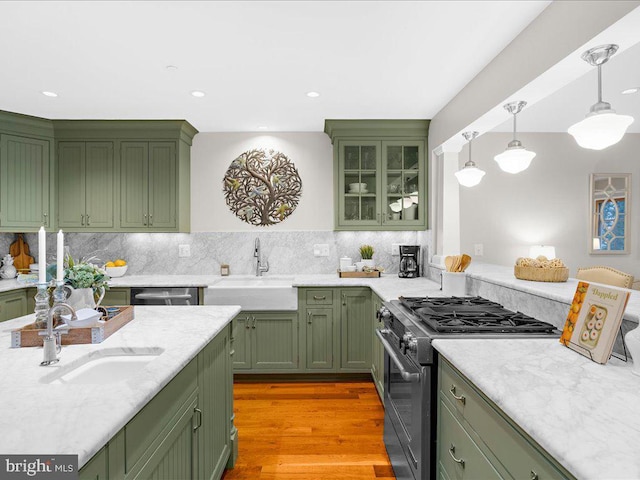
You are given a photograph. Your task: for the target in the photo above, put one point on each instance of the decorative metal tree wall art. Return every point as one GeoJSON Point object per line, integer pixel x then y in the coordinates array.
{"type": "Point", "coordinates": [262, 187]}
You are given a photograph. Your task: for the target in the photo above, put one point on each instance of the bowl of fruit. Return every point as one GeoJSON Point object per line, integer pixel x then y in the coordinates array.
{"type": "Point", "coordinates": [116, 268]}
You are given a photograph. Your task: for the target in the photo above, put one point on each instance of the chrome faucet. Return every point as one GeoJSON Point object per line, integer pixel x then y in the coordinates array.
{"type": "Point", "coordinates": [51, 342]}
{"type": "Point", "coordinates": [261, 266]}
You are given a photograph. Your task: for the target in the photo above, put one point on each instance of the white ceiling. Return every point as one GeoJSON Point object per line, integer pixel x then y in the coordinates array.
{"type": "Point", "coordinates": [255, 60]}
{"type": "Point", "coordinates": [568, 105]}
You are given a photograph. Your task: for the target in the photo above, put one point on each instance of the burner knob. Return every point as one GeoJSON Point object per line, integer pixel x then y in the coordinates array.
{"type": "Point", "coordinates": [383, 314]}
{"type": "Point", "coordinates": [408, 339]}
{"type": "Point", "coordinates": [412, 345]}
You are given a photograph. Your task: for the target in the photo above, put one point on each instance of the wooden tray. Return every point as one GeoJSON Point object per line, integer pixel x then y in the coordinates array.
{"type": "Point", "coordinates": [374, 274]}
{"type": "Point", "coordinates": [29, 336]}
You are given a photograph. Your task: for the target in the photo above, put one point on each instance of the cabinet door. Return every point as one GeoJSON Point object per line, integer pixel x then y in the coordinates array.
{"type": "Point", "coordinates": [215, 387]}
{"type": "Point", "coordinates": [319, 338]}
{"type": "Point", "coordinates": [358, 184]}
{"type": "Point", "coordinates": [71, 185]}
{"type": "Point", "coordinates": [355, 327]}
{"type": "Point", "coordinates": [134, 184]}
{"type": "Point", "coordinates": [117, 297]}
{"type": "Point", "coordinates": [162, 185]}
{"type": "Point", "coordinates": [274, 342]}
{"type": "Point", "coordinates": [404, 186]}
{"type": "Point", "coordinates": [96, 468]}
{"type": "Point", "coordinates": [24, 182]}
{"type": "Point", "coordinates": [240, 332]}
{"type": "Point", "coordinates": [99, 181]}
{"type": "Point", "coordinates": [13, 305]}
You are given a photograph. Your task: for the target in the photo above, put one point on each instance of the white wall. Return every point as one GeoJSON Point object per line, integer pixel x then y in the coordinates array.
{"type": "Point", "coordinates": [546, 204]}
{"type": "Point", "coordinates": [211, 155]}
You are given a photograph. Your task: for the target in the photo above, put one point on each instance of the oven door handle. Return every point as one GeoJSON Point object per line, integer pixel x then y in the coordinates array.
{"type": "Point", "coordinates": [407, 376]}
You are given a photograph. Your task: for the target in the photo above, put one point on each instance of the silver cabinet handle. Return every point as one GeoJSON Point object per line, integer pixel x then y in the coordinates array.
{"type": "Point", "coordinates": [45, 215]}
{"type": "Point", "coordinates": [344, 299]}
{"type": "Point", "coordinates": [247, 322]}
{"type": "Point", "coordinates": [534, 475]}
{"type": "Point", "coordinates": [199, 424]}
{"type": "Point", "coordinates": [150, 220]}
{"type": "Point", "coordinates": [460, 398]}
{"type": "Point", "coordinates": [144, 222]}
{"type": "Point", "coordinates": [309, 318]}
{"type": "Point", "coordinates": [82, 219]}
{"type": "Point", "coordinates": [254, 322]}
{"type": "Point", "coordinates": [318, 297]}
{"type": "Point", "coordinates": [452, 452]}
{"type": "Point", "coordinates": [88, 224]}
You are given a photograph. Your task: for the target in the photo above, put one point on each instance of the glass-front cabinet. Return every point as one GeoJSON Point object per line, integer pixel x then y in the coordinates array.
{"type": "Point", "coordinates": [380, 177]}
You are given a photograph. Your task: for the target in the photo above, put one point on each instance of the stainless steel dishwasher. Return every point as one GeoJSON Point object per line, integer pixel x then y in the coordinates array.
{"type": "Point", "coordinates": [164, 296]}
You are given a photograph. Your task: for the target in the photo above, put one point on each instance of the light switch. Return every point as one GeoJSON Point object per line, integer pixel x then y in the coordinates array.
{"type": "Point", "coordinates": [395, 249]}
{"type": "Point", "coordinates": [478, 249]}
{"type": "Point", "coordinates": [184, 250]}
{"type": "Point", "coordinates": [321, 250]}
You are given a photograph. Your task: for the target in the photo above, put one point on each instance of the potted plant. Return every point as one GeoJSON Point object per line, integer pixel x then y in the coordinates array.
{"type": "Point", "coordinates": [366, 253]}
{"type": "Point", "coordinates": [85, 283]}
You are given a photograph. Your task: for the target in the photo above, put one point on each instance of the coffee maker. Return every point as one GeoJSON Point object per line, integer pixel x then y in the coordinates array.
{"type": "Point", "coordinates": [409, 261]}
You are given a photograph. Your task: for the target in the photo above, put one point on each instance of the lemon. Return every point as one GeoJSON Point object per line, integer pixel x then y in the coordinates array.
{"type": "Point", "coordinates": [109, 264]}
{"type": "Point", "coordinates": [120, 263]}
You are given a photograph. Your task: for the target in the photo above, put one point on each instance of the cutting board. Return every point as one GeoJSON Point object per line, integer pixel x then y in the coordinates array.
{"type": "Point", "coordinates": [19, 250]}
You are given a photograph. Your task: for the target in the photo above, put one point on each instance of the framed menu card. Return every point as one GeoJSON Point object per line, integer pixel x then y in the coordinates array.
{"type": "Point", "coordinates": [594, 319]}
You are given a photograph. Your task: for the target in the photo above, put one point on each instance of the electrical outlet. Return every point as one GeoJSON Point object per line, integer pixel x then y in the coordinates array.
{"type": "Point", "coordinates": [395, 249]}
{"type": "Point", "coordinates": [321, 250]}
{"type": "Point", "coordinates": [478, 249]}
{"type": "Point", "coordinates": [184, 250]}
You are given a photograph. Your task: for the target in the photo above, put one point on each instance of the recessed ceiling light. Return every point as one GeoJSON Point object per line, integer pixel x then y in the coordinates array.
{"type": "Point", "coordinates": [313, 94]}
{"type": "Point", "coordinates": [629, 91]}
{"type": "Point", "coordinates": [171, 68]}
{"type": "Point", "coordinates": [198, 93]}
{"type": "Point", "coordinates": [263, 127]}
{"type": "Point", "coordinates": [49, 94]}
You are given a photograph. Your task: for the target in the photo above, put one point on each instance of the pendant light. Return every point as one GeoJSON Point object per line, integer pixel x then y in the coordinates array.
{"type": "Point", "coordinates": [602, 127]}
{"type": "Point", "coordinates": [515, 158]}
{"type": "Point", "coordinates": [470, 175]}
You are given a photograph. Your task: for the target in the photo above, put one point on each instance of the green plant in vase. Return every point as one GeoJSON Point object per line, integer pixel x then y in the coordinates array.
{"type": "Point", "coordinates": [85, 281]}
{"type": "Point", "coordinates": [366, 253]}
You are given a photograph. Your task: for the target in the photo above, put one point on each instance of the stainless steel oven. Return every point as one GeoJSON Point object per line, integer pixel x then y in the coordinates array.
{"type": "Point", "coordinates": [164, 296]}
{"type": "Point", "coordinates": [411, 366]}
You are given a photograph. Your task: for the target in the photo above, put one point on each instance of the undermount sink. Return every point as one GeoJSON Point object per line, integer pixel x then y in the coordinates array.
{"type": "Point", "coordinates": [103, 367]}
{"type": "Point", "coordinates": [253, 293]}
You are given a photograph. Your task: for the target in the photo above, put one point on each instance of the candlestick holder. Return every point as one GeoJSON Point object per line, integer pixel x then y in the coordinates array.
{"type": "Point", "coordinates": [59, 293]}
{"type": "Point", "coordinates": [42, 306]}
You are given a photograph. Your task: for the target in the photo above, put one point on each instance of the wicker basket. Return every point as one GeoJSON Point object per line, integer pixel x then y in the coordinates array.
{"type": "Point", "coordinates": [541, 274]}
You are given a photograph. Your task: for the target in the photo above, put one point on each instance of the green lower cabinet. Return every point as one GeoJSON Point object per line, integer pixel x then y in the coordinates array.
{"type": "Point", "coordinates": [184, 432]}
{"type": "Point", "coordinates": [266, 342]}
{"type": "Point", "coordinates": [117, 296]}
{"type": "Point", "coordinates": [13, 304]}
{"type": "Point", "coordinates": [319, 338]}
{"type": "Point", "coordinates": [477, 440]}
{"type": "Point", "coordinates": [377, 350]}
{"type": "Point", "coordinates": [355, 329]}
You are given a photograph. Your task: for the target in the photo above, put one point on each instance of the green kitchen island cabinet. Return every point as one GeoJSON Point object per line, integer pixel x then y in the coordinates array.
{"type": "Point", "coordinates": [13, 304]}
{"type": "Point", "coordinates": [184, 432]}
{"type": "Point", "coordinates": [380, 173]}
{"type": "Point", "coordinates": [477, 440]}
{"type": "Point", "coordinates": [86, 182]}
{"type": "Point", "coordinates": [265, 342]}
{"type": "Point", "coordinates": [26, 164]}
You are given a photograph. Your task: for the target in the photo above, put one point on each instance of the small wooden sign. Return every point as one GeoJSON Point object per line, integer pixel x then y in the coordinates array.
{"type": "Point", "coordinates": [29, 336]}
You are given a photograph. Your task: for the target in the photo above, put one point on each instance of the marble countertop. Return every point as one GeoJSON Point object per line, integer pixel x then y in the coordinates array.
{"type": "Point", "coordinates": [585, 415]}
{"type": "Point", "coordinates": [80, 419]}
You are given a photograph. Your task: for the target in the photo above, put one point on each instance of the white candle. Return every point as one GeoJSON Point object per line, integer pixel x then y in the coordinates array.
{"type": "Point", "coordinates": [42, 256]}
{"type": "Point", "coordinates": [60, 257]}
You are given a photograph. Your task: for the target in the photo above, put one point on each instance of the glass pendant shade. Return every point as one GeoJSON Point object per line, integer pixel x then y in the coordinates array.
{"type": "Point", "coordinates": [600, 130]}
{"type": "Point", "coordinates": [469, 176]}
{"type": "Point", "coordinates": [514, 160]}
{"type": "Point", "coordinates": [602, 127]}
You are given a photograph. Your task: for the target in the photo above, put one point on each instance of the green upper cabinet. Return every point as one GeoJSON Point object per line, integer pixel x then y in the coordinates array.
{"type": "Point", "coordinates": [148, 185]}
{"type": "Point", "coordinates": [136, 175]}
{"type": "Point", "coordinates": [85, 186]}
{"type": "Point", "coordinates": [380, 174]}
{"type": "Point", "coordinates": [26, 159]}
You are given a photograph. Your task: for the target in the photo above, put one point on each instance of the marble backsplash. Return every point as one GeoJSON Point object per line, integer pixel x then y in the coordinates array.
{"type": "Point", "coordinates": [286, 252]}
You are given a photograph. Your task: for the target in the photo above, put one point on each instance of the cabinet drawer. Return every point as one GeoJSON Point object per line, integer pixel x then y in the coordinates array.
{"type": "Point", "coordinates": [458, 456]}
{"type": "Point", "coordinates": [518, 455]}
{"type": "Point", "coordinates": [319, 297]}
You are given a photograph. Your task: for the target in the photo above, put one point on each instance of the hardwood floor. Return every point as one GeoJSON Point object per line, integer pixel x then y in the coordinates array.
{"type": "Point", "coordinates": [309, 431]}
